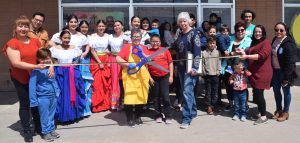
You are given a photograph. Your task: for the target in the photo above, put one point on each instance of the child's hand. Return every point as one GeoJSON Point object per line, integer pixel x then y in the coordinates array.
{"type": "Point", "coordinates": [230, 81]}
{"type": "Point", "coordinates": [51, 72]}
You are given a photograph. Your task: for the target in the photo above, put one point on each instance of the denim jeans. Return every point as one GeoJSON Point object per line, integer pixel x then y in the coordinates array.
{"type": "Point", "coordinates": [240, 99]}
{"type": "Point", "coordinates": [276, 83]}
{"type": "Point", "coordinates": [47, 107]}
{"type": "Point", "coordinates": [24, 108]}
{"type": "Point", "coordinates": [189, 110]}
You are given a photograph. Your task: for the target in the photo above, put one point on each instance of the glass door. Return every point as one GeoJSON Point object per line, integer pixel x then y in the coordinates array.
{"type": "Point", "coordinates": [163, 13]}
{"type": "Point", "coordinates": [224, 12]}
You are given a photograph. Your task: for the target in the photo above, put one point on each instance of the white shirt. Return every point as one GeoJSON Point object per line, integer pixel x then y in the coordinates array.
{"type": "Point", "coordinates": [65, 56]}
{"type": "Point", "coordinates": [77, 40]}
{"type": "Point", "coordinates": [100, 44]}
{"type": "Point", "coordinates": [145, 36]}
{"type": "Point", "coordinates": [116, 43]}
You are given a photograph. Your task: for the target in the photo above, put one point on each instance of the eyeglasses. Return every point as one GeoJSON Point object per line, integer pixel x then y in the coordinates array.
{"type": "Point", "coordinates": [155, 42]}
{"type": "Point", "coordinates": [136, 37]}
{"type": "Point", "coordinates": [37, 20]}
{"type": "Point", "coordinates": [240, 30]}
{"type": "Point", "coordinates": [281, 30]}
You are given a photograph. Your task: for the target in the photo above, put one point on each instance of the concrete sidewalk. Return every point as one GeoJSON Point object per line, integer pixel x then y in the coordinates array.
{"type": "Point", "coordinates": [111, 127]}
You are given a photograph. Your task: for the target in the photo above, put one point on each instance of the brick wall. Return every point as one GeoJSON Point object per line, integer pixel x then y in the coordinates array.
{"type": "Point", "coordinates": [9, 11]}
{"type": "Point", "coordinates": [268, 12]}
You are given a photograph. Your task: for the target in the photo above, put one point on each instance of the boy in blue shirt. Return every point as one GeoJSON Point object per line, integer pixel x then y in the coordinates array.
{"type": "Point", "coordinates": [43, 92]}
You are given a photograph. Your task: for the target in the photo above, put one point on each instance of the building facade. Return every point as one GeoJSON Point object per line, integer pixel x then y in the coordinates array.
{"type": "Point", "coordinates": [268, 13]}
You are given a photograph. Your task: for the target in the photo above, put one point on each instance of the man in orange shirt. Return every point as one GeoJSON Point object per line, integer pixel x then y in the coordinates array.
{"type": "Point", "coordinates": [36, 29]}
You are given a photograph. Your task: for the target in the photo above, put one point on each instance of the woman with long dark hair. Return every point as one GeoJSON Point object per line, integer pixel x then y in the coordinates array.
{"type": "Point", "coordinates": [284, 57]}
{"type": "Point", "coordinates": [135, 24]}
{"type": "Point", "coordinates": [259, 64]}
{"type": "Point", "coordinates": [101, 97]}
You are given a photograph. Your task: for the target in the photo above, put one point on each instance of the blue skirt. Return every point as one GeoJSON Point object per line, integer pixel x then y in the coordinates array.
{"type": "Point", "coordinates": [65, 111]}
{"type": "Point", "coordinates": [88, 81]}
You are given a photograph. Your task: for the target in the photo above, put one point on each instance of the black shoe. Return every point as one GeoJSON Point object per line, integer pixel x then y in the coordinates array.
{"type": "Point", "coordinates": [54, 135]}
{"type": "Point", "coordinates": [139, 121]}
{"type": "Point", "coordinates": [28, 136]}
{"type": "Point", "coordinates": [48, 138]}
{"type": "Point", "coordinates": [131, 124]}
{"type": "Point", "coordinates": [37, 132]}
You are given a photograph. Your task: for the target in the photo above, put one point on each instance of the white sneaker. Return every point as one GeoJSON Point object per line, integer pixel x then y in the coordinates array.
{"type": "Point", "coordinates": [168, 121]}
{"type": "Point", "coordinates": [158, 120]}
{"type": "Point", "coordinates": [235, 117]}
{"type": "Point", "coordinates": [184, 126]}
{"type": "Point", "coordinates": [243, 119]}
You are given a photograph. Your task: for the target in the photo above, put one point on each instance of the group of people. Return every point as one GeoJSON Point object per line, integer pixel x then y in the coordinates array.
{"type": "Point", "coordinates": [75, 73]}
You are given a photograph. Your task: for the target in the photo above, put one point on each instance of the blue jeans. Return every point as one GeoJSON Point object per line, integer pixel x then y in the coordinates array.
{"type": "Point", "coordinates": [276, 83]}
{"type": "Point", "coordinates": [47, 107]}
{"type": "Point", "coordinates": [189, 110]}
{"type": "Point", "coordinates": [240, 99]}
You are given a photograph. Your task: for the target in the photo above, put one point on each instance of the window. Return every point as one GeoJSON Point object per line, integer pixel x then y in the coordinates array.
{"type": "Point", "coordinates": [216, 1]}
{"type": "Point", "coordinates": [223, 13]}
{"type": "Point", "coordinates": [92, 15]}
{"type": "Point", "coordinates": [291, 1]}
{"type": "Point", "coordinates": [292, 19]}
{"type": "Point", "coordinates": [165, 1]}
{"type": "Point", "coordinates": [164, 10]}
{"type": "Point", "coordinates": [163, 14]}
{"type": "Point", "coordinates": [95, 1]}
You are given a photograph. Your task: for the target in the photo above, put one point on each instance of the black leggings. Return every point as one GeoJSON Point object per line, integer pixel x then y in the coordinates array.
{"type": "Point", "coordinates": [24, 109]}
{"type": "Point", "coordinates": [259, 99]}
{"type": "Point", "coordinates": [133, 112]}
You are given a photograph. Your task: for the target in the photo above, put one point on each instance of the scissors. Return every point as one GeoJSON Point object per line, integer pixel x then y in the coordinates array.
{"type": "Point", "coordinates": [145, 60]}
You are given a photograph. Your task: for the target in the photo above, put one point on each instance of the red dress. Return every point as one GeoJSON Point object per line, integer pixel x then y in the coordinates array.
{"type": "Point", "coordinates": [101, 96]}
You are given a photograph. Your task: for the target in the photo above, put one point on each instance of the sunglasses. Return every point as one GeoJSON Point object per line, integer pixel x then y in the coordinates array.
{"type": "Point", "coordinates": [240, 30]}
{"type": "Point", "coordinates": [281, 30]}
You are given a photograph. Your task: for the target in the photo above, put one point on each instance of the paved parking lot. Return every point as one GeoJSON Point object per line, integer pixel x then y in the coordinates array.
{"type": "Point", "coordinates": [111, 127]}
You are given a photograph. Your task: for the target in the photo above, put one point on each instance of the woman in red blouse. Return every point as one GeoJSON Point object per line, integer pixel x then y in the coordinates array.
{"type": "Point", "coordinates": [21, 52]}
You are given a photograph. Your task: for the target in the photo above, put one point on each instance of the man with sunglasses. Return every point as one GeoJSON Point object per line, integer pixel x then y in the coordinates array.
{"type": "Point", "coordinates": [238, 40]}
{"type": "Point", "coordinates": [36, 29]}
{"type": "Point", "coordinates": [248, 16]}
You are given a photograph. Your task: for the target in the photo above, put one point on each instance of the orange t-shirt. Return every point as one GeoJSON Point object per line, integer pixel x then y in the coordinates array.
{"type": "Point", "coordinates": [42, 35]}
{"type": "Point", "coordinates": [27, 54]}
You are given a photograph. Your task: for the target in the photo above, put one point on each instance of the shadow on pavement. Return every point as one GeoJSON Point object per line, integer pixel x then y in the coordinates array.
{"type": "Point", "coordinates": [8, 98]}
{"type": "Point", "coordinates": [118, 117]}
